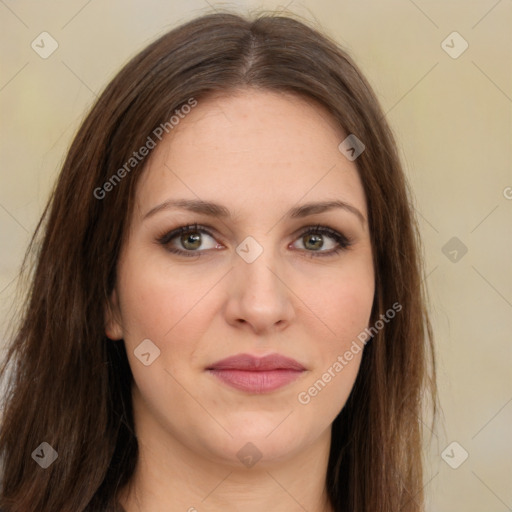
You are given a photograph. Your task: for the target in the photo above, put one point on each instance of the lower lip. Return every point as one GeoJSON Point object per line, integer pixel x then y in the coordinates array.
{"type": "Point", "coordinates": [257, 381]}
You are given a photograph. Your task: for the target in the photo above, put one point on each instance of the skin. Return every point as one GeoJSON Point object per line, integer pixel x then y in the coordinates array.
{"type": "Point", "coordinates": [258, 154]}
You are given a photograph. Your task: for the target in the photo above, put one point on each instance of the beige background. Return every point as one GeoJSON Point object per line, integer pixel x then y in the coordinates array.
{"type": "Point", "coordinates": [452, 118]}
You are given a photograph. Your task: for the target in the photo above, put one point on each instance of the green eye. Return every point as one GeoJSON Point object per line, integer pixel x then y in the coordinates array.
{"type": "Point", "coordinates": [190, 241]}
{"type": "Point", "coordinates": [313, 240]}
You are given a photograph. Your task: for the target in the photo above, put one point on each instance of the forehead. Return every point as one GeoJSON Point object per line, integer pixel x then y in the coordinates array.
{"type": "Point", "coordinates": [252, 149]}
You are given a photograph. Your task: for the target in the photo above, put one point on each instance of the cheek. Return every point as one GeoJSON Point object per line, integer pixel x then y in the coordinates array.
{"type": "Point", "coordinates": [346, 310]}
{"type": "Point", "coordinates": [173, 310]}
{"type": "Point", "coordinates": [166, 308]}
{"type": "Point", "coordinates": [342, 301]}
{"type": "Point", "coordinates": [343, 306]}
{"type": "Point", "coordinates": [157, 302]}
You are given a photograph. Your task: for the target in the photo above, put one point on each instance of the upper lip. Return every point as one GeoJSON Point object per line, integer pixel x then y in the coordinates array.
{"type": "Point", "coordinates": [253, 363]}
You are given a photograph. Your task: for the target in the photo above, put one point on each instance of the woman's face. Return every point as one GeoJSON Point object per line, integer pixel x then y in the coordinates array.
{"type": "Point", "coordinates": [255, 278]}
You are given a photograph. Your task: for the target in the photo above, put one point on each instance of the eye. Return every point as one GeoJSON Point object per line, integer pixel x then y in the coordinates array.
{"type": "Point", "coordinates": [189, 239]}
{"type": "Point", "coordinates": [313, 241]}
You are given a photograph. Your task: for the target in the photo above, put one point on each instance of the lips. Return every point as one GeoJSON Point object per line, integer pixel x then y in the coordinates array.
{"type": "Point", "coordinates": [252, 363]}
{"type": "Point", "coordinates": [256, 374]}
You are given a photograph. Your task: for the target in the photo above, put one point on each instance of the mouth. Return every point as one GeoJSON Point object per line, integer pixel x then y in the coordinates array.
{"type": "Point", "coordinates": [257, 374]}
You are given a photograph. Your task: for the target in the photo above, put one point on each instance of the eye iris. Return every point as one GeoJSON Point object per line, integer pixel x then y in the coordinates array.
{"type": "Point", "coordinates": [191, 241]}
{"type": "Point", "coordinates": [314, 241]}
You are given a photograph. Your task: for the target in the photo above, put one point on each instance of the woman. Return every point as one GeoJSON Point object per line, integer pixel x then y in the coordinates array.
{"type": "Point", "coordinates": [227, 307]}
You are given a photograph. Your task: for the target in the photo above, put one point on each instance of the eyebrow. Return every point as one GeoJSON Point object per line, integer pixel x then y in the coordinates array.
{"type": "Point", "coordinates": [216, 210]}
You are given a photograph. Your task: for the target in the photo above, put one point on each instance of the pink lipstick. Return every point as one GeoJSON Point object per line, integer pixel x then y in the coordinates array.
{"type": "Point", "coordinates": [256, 374]}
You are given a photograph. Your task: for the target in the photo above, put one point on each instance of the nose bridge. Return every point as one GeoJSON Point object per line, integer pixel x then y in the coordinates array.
{"type": "Point", "coordinates": [258, 294]}
{"type": "Point", "coordinates": [255, 266]}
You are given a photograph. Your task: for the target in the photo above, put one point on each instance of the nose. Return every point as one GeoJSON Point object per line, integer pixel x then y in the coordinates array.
{"type": "Point", "coordinates": [259, 298]}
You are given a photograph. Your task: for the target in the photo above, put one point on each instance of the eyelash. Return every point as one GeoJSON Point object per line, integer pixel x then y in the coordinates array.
{"type": "Point", "coordinates": [342, 241]}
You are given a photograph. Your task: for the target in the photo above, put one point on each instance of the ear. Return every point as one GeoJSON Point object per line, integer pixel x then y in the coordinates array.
{"type": "Point", "coordinates": [113, 325]}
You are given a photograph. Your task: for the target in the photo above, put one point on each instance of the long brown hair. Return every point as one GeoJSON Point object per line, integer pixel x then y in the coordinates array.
{"type": "Point", "coordinates": [71, 387]}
